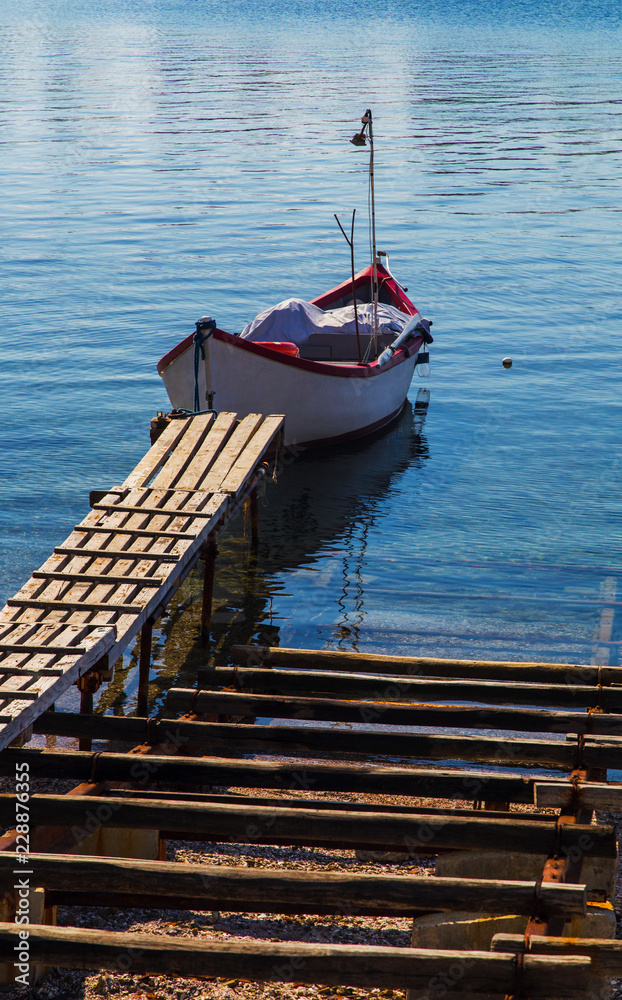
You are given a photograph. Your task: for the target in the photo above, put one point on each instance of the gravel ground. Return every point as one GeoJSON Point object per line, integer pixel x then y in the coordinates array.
{"type": "Point", "coordinates": [226, 926]}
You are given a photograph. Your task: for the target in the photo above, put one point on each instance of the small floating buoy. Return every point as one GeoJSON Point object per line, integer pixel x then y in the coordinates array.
{"type": "Point", "coordinates": [507, 362]}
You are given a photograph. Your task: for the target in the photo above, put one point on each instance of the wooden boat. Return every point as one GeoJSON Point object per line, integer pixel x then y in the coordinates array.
{"type": "Point", "coordinates": [326, 394]}
{"type": "Point", "coordinates": [338, 367]}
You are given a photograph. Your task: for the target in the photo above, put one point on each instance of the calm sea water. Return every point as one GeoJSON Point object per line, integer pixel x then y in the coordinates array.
{"type": "Point", "coordinates": [168, 159]}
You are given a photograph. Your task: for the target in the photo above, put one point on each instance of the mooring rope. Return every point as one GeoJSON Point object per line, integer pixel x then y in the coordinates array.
{"type": "Point", "coordinates": [199, 338]}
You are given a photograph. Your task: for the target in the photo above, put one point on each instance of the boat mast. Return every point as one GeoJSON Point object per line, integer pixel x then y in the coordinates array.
{"type": "Point", "coordinates": [374, 258]}
{"type": "Point", "coordinates": [360, 139]}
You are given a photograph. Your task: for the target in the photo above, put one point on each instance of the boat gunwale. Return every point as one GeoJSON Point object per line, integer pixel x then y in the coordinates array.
{"type": "Point", "coordinates": [341, 369]}
{"type": "Point", "coordinates": [330, 368]}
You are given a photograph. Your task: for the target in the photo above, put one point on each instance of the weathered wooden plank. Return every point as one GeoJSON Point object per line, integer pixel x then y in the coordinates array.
{"type": "Point", "coordinates": [83, 605]}
{"type": "Point", "coordinates": [605, 953]}
{"type": "Point", "coordinates": [171, 512]}
{"type": "Point", "coordinates": [218, 886]}
{"type": "Point", "coordinates": [21, 647]}
{"type": "Point", "coordinates": [28, 668]}
{"type": "Point", "coordinates": [387, 713]}
{"type": "Point", "coordinates": [310, 739]}
{"type": "Point", "coordinates": [21, 687]}
{"type": "Point", "coordinates": [159, 548]}
{"type": "Point", "coordinates": [139, 513]}
{"type": "Point", "coordinates": [182, 457]}
{"type": "Point", "coordinates": [379, 663]}
{"type": "Point", "coordinates": [53, 638]}
{"type": "Point", "coordinates": [157, 454]}
{"type": "Point", "coordinates": [12, 633]}
{"type": "Point", "coordinates": [255, 450]}
{"type": "Point", "coordinates": [266, 961]}
{"type": "Point", "coordinates": [149, 546]}
{"type": "Point", "coordinates": [40, 633]}
{"type": "Point", "coordinates": [209, 508]}
{"type": "Point", "coordinates": [24, 699]}
{"type": "Point", "coordinates": [190, 551]}
{"type": "Point", "coordinates": [23, 694]}
{"type": "Point", "coordinates": [230, 454]}
{"type": "Point", "coordinates": [86, 637]}
{"type": "Point", "coordinates": [295, 775]}
{"type": "Point", "coordinates": [414, 689]}
{"type": "Point", "coordinates": [69, 550]}
{"type": "Point", "coordinates": [100, 578]}
{"type": "Point", "coordinates": [235, 798]}
{"type": "Point", "coordinates": [95, 599]}
{"type": "Point", "coordinates": [579, 795]}
{"type": "Point", "coordinates": [243, 823]}
{"type": "Point", "coordinates": [138, 532]}
{"type": "Point", "coordinates": [209, 450]}
{"type": "Point", "coordinates": [146, 551]}
{"type": "Point", "coordinates": [115, 523]}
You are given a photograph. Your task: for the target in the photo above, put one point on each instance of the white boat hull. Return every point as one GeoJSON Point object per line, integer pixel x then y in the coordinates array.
{"type": "Point", "coordinates": [323, 402]}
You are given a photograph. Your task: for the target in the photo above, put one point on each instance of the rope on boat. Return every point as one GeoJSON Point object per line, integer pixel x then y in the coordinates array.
{"type": "Point", "coordinates": [204, 330]}
{"type": "Point", "coordinates": [181, 411]}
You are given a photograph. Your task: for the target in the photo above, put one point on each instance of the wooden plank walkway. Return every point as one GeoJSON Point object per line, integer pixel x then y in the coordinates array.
{"type": "Point", "coordinates": [119, 567]}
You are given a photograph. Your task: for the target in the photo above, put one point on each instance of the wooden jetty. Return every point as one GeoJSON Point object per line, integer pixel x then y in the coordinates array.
{"type": "Point", "coordinates": [521, 902]}
{"type": "Point", "coordinates": [117, 570]}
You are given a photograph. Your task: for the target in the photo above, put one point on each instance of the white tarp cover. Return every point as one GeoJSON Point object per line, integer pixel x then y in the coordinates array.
{"type": "Point", "coordinates": [294, 320]}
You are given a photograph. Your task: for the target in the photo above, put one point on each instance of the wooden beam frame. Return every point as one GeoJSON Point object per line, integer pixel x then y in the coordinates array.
{"type": "Point", "coordinates": [264, 961]}
{"type": "Point", "coordinates": [254, 824]}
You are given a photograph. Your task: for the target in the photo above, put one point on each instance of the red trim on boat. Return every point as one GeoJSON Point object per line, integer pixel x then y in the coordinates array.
{"type": "Point", "coordinates": [175, 352]}
{"type": "Point", "coordinates": [338, 369]}
{"type": "Point", "coordinates": [386, 282]}
{"type": "Point", "coordinates": [396, 293]}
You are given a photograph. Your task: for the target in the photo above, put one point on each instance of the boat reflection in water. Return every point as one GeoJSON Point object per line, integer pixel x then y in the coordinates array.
{"type": "Point", "coordinates": [313, 529]}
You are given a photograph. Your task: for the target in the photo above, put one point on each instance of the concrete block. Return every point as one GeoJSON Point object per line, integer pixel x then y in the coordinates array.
{"type": "Point", "coordinates": [116, 842]}
{"type": "Point", "coordinates": [600, 922]}
{"type": "Point", "coordinates": [38, 913]}
{"type": "Point", "coordinates": [490, 864]}
{"type": "Point", "coordinates": [598, 874]}
{"type": "Point", "coordinates": [112, 842]}
{"type": "Point", "coordinates": [463, 930]}
{"type": "Point", "coordinates": [467, 931]}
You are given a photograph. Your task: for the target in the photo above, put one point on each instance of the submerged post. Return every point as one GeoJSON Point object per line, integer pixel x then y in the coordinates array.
{"type": "Point", "coordinates": [87, 685]}
{"type": "Point", "coordinates": [254, 511]}
{"type": "Point", "coordinates": [210, 551]}
{"type": "Point", "coordinates": [144, 665]}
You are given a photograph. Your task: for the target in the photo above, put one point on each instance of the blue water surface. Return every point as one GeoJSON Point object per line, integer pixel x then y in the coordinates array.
{"type": "Point", "coordinates": [180, 157]}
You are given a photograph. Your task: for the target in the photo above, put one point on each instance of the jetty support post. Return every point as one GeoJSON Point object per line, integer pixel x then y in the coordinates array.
{"type": "Point", "coordinates": [87, 685]}
{"type": "Point", "coordinates": [144, 665]}
{"type": "Point", "coordinates": [254, 514]}
{"type": "Point", "coordinates": [209, 554]}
